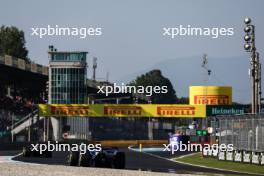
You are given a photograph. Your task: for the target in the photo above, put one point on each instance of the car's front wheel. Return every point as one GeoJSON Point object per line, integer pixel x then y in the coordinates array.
{"type": "Point", "coordinates": [73, 159]}
{"type": "Point", "coordinates": [119, 160]}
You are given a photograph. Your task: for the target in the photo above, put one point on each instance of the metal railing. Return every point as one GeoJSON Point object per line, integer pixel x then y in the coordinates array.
{"type": "Point", "coordinates": [30, 115]}
{"type": "Point", "coordinates": [245, 132]}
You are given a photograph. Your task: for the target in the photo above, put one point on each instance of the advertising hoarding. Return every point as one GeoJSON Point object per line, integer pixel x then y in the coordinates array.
{"type": "Point", "coordinates": [122, 110]}
{"type": "Point", "coordinates": [210, 95]}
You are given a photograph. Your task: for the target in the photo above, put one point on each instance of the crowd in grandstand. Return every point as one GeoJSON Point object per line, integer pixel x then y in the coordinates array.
{"type": "Point", "coordinates": [17, 104]}
{"type": "Point", "coordinates": [17, 107]}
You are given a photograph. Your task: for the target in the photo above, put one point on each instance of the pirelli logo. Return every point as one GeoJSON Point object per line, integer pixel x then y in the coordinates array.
{"type": "Point", "coordinates": [175, 110]}
{"type": "Point", "coordinates": [69, 110]}
{"type": "Point", "coordinates": [211, 99]}
{"type": "Point", "coordinates": [123, 110]}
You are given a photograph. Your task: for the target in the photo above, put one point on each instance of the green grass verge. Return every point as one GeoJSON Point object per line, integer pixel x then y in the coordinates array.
{"type": "Point", "coordinates": [228, 165]}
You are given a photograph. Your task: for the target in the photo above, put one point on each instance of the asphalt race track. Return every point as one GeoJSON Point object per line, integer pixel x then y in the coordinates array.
{"type": "Point", "coordinates": [134, 161]}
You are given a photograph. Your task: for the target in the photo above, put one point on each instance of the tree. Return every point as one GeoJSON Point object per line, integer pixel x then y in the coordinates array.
{"type": "Point", "coordinates": [183, 100]}
{"type": "Point", "coordinates": [155, 78]}
{"type": "Point", "coordinates": [12, 42]}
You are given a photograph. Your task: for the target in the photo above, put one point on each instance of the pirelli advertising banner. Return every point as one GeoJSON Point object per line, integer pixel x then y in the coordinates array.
{"type": "Point", "coordinates": [122, 110]}
{"type": "Point", "coordinates": [210, 95]}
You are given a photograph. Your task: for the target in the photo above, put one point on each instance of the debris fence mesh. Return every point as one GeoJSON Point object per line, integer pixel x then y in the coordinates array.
{"type": "Point", "coordinates": [245, 132]}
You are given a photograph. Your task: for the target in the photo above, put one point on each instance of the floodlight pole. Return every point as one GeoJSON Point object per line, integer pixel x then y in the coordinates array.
{"type": "Point", "coordinates": [259, 92]}
{"type": "Point", "coordinates": [254, 73]}
{"type": "Point", "coordinates": [255, 70]}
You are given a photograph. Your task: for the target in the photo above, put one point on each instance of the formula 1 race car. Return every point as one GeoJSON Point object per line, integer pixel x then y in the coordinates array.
{"type": "Point", "coordinates": [175, 139]}
{"type": "Point", "coordinates": [29, 152]}
{"type": "Point", "coordinates": [109, 157]}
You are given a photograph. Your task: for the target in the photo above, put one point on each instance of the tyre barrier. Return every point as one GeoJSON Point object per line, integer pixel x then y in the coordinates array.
{"type": "Point", "coordinates": [230, 155]}
{"type": "Point", "coordinates": [262, 158]}
{"type": "Point", "coordinates": [210, 152]}
{"type": "Point", "coordinates": [238, 156]}
{"type": "Point", "coordinates": [214, 152]}
{"type": "Point", "coordinates": [247, 155]}
{"type": "Point", "coordinates": [222, 155]}
{"type": "Point", "coordinates": [205, 152]}
{"type": "Point", "coordinates": [256, 158]}
{"type": "Point", "coordinates": [242, 156]}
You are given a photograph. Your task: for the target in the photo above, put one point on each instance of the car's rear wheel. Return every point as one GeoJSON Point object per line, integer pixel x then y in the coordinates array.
{"type": "Point", "coordinates": [48, 154]}
{"type": "Point", "coordinates": [26, 152]}
{"type": "Point", "coordinates": [85, 160]}
{"type": "Point", "coordinates": [119, 161]}
{"type": "Point", "coordinates": [73, 158]}
{"type": "Point", "coordinates": [101, 160]}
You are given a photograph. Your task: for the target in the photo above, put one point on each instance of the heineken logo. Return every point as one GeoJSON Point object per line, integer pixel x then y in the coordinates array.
{"type": "Point", "coordinates": [225, 110]}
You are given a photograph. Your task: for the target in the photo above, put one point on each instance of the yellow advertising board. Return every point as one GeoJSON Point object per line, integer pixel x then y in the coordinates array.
{"type": "Point", "coordinates": [122, 110]}
{"type": "Point", "coordinates": [210, 95]}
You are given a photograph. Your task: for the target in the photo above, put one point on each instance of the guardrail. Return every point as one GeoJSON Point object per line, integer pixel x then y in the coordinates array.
{"type": "Point", "coordinates": [30, 115]}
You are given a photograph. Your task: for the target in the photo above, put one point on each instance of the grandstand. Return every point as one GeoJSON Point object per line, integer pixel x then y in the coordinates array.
{"type": "Point", "coordinates": [22, 86]}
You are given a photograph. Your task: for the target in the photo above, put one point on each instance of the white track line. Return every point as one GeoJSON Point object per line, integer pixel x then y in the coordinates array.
{"type": "Point", "coordinates": [10, 159]}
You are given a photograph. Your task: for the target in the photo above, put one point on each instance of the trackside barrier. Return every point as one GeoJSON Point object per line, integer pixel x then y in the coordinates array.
{"type": "Point", "coordinates": [222, 155]}
{"type": "Point", "coordinates": [230, 156]}
{"type": "Point", "coordinates": [256, 157]}
{"type": "Point", "coordinates": [132, 142]}
{"type": "Point", "coordinates": [247, 155]}
{"type": "Point", "coordinates": [206, 152]}
{"type": "Point", "coordinates": [210, 151]}
{"type": "Point", "coordinates": [238, 156]}
{"type": "Point", "coordinates": [214, 152]}
{"type": "Point", "coordinates": [262, 158]}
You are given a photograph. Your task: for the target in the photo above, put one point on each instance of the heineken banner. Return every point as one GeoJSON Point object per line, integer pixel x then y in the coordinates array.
{"type": "Point", "coordinates": [214, 110]}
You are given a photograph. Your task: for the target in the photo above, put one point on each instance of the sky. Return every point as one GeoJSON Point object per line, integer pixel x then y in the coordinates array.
{"type": "Point", "coordinates": [132, 31]}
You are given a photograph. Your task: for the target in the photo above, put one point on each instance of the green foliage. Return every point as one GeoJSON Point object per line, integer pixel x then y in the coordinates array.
{"type": "Point", "coordinates": [183, 100]}
{"type": "Point", "coordinates": [12, 42]}
{"type": "Point", "coordinates": [155, 78]}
